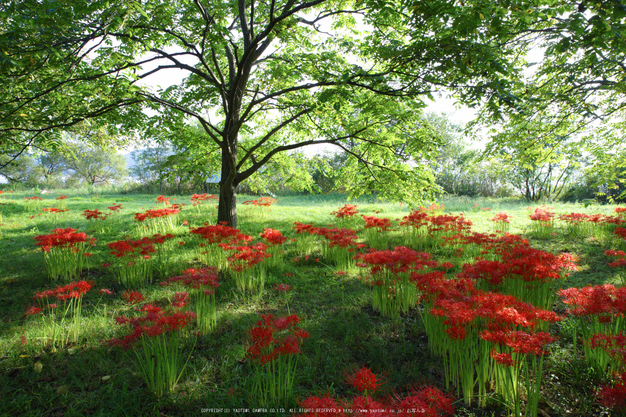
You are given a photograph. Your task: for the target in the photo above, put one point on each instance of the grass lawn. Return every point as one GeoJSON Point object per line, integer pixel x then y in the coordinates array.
{"type": "Point", "coordinates": [88, 376]}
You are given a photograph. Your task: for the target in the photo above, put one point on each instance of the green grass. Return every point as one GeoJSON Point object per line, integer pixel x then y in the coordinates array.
{"type": "Point", "coordinates": [91, 378]}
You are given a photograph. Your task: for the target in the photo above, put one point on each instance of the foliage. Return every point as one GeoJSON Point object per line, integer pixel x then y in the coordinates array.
{"type": "Point", "coordinates": [263, 79]}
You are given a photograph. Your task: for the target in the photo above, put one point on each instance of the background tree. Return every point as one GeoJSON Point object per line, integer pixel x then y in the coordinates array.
{"type": "Point", "coordinates": [95, 166]}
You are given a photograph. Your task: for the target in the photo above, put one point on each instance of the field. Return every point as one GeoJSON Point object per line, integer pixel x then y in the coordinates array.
{"type": "Point", "coordinates": [67, 361]}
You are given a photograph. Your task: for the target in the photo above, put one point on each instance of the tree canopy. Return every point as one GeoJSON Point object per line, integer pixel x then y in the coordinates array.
{"type": "Point", "coordinates": [285, 74]}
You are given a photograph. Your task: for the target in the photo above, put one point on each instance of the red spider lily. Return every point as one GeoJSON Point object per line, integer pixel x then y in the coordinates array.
{"type": "Point", "coordinates": [246, 256]}
{"type": "Point", "coordinates": [266, 347]}
{"type": "Point", "coordinates": [132, 297]}
{"type": "Point", "coordinates": [342, 238]}
{"type": "Point", "coordinates": [602, 300]}
{"type": "Point", "coordinates": [63, 238]}
{"type": "Point", "coordinates": [372, 222]}
{"type": "Point", "coordinates": [163, 199]}
{"type": "Point", "coordinates": [34, 198]}
{"type": "Point", "coordinates": [345, 212]}
{"type": "Point", "coordinates": [282, 287]}
{"type": "Point", "coordinates": [263, 201]}
{"type": "Point", "coordinates": [574, 218]}
{"type": "Point", "coordinates": [542, 214]}
{"type": "Point", "coordinates": [132, 248]}
{"type": "Point", "coordinates": [524, 262]}
{"type": "Point", "coordinates": [106, 291]}
{"type": "Point", "coordinates": [621, 232]}
{"type": "Point", "coordinates": [73, 290]}
{"type": "Point", "coordinates": [614, 397]}
{"type": "Point", "coordinates": [620, 255]}
{"type": "Point", "coordinates": [503, 358]}
{"type": "Point", "coordinates": [519, 341]}
{"type": "Point", "coordinates": [180, 299]}
{"type": "Point", "coordinates": [160, 239]}
{"type": "Point", "coordinates": [197, 278]}
{"type": "Point", "coordinates": [448, 223]}
{"type": "Point", "coordinates": [221, 233]}
{"type": "Point", "coordinates": [502, 217]}
{"type": "Point", "coordinates": [364, 380]}
{"type": "Point", "coordinates": [154, 323]}
{"type": "Point", "coordinates": [302, 228]}
{"type": "Point", "coordinates": [94, 215]}
{"type": "Point", "coordinates": [115, 207]}
{"type": "Point", "coordinates": [417, 219]}
{"type": "Point", "coordinates": [156, 213]}
{"type": "Point", "coordinates": [61, 197]}
{"type": "Point", "coordinates": [31, 311]}
{"type": "Point", "coordinates": [424, 402]}
{"type": "Point", "coordinates": [273, 236]}
{"type": "Point", "coordinates": [200, 198]}
{"type": "Point", "coordinates": [54, 210]}
{"type": "Point", "coordinates": [400, 259]}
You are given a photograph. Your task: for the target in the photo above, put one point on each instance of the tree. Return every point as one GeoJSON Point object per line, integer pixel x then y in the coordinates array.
{"type": "Point", "coordinates": [287, 73]}
{"type": "Point", "coordinates": [96, 166]}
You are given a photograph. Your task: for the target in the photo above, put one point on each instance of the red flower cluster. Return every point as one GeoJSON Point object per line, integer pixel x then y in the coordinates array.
{"type": "Point", "coordinates": [154, 323]}
{"type": "Point", "coordinates": [180, 299]}
{"type": "Point", "coordinates": [496, 312]}
{"type": "Point", "coordinates": [34, 198]}
{"type": "Point", "coordinates": [542, 214]}
{"type": "Point", "coordinates": [605, 301]}
{"type": "Point", "coordinates": [520, 341]}
{"type": "Point", "coordinates": [502, 217]}
{"type": "Point", "coordinates": [156, 213]}
{"type": "Point", "coordinates": [267, 344]}
{"type": "Point", "coordinates": [132, 297]}
{"type": "Point", "coordinates": [73, 290]}
{"type": "Point", "coordinates": [345, 212]}
{"type": "Point", "coordinates": [282, 287]}
{"type": "Point", "coordinates": [398, 260]}
{"type": "Point", "coordinates": [302, 227]}
{"type": "Point", "coordinates": [196, 278]}
{"type": "Point", "coordinates": [574, 218]}
{"type": "Point", "coordinates": [61, 197]}
{"type": "Point", "coordinates": [63, 238]}
{"type": "Point", "coordinates": [620, 255]}
{"type": "Point", "coordinates": [442, 223]}
{"type": "Point", "coordinates": [525, 262]}
{"type": "Point", "coordinates": [132, 248]}
{"type": "Point", "coordinates": [163, 199]}
{"type": "Point", "coordinates": [200, 198]}
{"type": "Point", "coordinates": [603, 219]}
{"type": "Point", "coordinates": [273, 236]}
{"type": "Point", "coordinates": [54, 210]}
{"type": "Point", "coordinates": [374, 222]}
{"type": "Point", "coordinates": [364, 380]}
{"type": "Point", "coordinates": [263, 201]}
{"type": "Point", "coordinates": [614, 397]}
{"type": "Point", "coordinates": [338, 237]}
{"type": "Point", "coordinates": [94, 215]}
{"type": "Point", "coordinates": [246, 256]}
{"type": "Point", "coordinates": [221, 233]}
{"type": "Point", "coordinates": [621, 231]}
{"type": "Point", "coordinates": [115, 207]}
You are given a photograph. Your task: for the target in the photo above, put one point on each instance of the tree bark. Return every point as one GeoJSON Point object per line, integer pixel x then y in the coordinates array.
{"type": "Point", "coordinates": [227, 208]}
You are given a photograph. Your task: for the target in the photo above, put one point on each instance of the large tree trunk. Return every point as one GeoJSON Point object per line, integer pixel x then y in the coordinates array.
{"type": "Point", "coordinates": [227, 209]}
